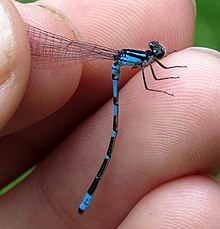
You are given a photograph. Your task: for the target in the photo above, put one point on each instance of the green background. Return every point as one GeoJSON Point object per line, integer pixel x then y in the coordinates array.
{"type": "Point", "coordinates": [207, 35]}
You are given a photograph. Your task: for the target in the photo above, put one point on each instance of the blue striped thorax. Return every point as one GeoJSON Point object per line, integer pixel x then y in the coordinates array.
{"type": "Point", "coordinates": [132, 57]}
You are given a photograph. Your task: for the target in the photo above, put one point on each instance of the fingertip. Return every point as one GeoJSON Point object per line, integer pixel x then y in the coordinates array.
{"type": "Point", "coordinates": [189, 202]}
{"type": "Point", "coordinates": [205, 50]}
{"type": "Point", "coordinates": [51, 87]}
{"type": "Point", "coordinates": [14, 61]}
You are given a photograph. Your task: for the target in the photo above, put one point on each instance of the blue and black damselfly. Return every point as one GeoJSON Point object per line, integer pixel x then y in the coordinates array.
{"type": "Point", "coordinates": [51, 50]}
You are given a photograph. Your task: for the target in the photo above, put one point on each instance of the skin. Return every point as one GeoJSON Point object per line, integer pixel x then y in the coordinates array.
{"type": "Point", "coordinates": [162, 171]}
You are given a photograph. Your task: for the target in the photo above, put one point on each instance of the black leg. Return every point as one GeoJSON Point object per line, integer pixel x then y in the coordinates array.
{"type": "Point", "coordinates": [163, 78]}
{"type": "Point", "coordinates": [168, 53]}
{"type": "Point", "coordinates": [163, 66]}
{"type": "Point", "coordinates": [150, 89]}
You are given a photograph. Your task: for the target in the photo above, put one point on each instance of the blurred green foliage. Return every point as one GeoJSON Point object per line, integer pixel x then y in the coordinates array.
{"type": "Point", "coordinates": [16, 181]}
{"type": "Point", "coordinates": [26, 1]}
{"type": "Point", "coordinates": [207, 24]}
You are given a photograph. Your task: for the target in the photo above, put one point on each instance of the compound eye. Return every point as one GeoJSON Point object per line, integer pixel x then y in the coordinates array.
{"type": "Point", "coordinates": [160, 55]}
{"type": "Point", "coordinates": [151, 46]}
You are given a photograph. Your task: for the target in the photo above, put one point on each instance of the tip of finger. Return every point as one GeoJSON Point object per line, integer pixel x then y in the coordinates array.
{"type": "Point", "coordinates": [14, 60]}
{"type": "Point", "coordinates": [49, 18]}
{"type": "Point", "coordinates": [205, 50]}
{"type": "Point", "coordinates": [12, 35]}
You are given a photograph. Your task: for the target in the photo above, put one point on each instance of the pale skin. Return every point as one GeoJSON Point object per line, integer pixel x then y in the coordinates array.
{"type": "Point", "coordinates": [167, 152]}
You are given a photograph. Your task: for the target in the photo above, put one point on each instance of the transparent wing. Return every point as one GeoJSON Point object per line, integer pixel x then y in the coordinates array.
{"type": "Point", "coordinates": [49, 50]}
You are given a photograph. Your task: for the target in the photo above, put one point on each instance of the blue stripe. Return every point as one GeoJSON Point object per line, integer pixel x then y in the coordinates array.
{"type": "Point", "coordinates": [85, 202]}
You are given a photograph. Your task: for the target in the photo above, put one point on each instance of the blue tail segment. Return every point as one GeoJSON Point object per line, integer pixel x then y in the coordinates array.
{"type": "Point", "coordinates": [125, 57]}
{"type": "Point", "coordinates": [85, 203]}
{"type": "Point", "coordinates": [89, 195]}
{"type": "Point", "coordinates": [50, 50]}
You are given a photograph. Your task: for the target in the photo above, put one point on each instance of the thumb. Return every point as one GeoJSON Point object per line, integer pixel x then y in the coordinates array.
{"type": "Point", "coordinates": [14, 61]}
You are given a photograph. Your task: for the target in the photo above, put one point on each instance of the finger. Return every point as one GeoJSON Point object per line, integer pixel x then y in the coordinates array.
{"type": "Point", "coordinates": [160, 137]}
{"type": "Point", "coordinates": [119, 25]}
{"type": "Point", "coordinates": [156, 144]}
{"type": "Point", "coordinates": [48, 89]}
{"type": "Point", "coordinates": [14, 66]}
{"type": "Point", "coordinates": [93, 91]}
{"type": "Point", "coordinates": [134, 23]}
{"type": "Point", "coordinates": [190, 202]}
{"type": "Point", "coordinates": [134, 32]}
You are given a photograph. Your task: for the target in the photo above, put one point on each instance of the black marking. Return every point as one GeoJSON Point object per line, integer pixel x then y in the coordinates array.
{"type": "Point", "coordinates": [115, 101]}
{"type": "Point", "coordinates": [140, 57]}
{"type": "Point", "coordinates": [93, 186]}
{"type": "Point", "coordinates": [115, 123]}
{"type": "Point", "coordinates": [80, 211]}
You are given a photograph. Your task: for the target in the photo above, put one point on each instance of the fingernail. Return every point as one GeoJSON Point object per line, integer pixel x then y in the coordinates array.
{"type": "Point", "coordinates": [63, 19]}
{"type": "Point", "coordinates": [206, 50]}
{"type": "Point", "coordinates": [7, 44]}
{"type": "Point", "coordinates": [193, 3]}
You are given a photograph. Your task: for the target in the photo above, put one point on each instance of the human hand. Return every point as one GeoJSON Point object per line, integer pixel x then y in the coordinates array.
{"type": "Point", "coordinates": [162, 140]}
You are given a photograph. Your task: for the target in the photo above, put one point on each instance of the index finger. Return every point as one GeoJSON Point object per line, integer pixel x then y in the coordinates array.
{"type": "Point", "coordinates": [132, 24]}
{"type": "Point", "coordinates": [116, 24]}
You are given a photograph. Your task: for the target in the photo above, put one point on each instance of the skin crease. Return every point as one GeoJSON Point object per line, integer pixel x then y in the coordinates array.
{"type": "Point", "coordinates": [163, 141]}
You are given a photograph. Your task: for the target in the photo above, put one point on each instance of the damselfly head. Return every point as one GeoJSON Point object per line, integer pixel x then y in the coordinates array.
{"type": "Point", "coordinates": [158, 50]}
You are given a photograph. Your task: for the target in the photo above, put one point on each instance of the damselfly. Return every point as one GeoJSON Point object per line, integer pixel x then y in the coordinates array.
{"type": "Point", "coordinates": [51, 50]}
